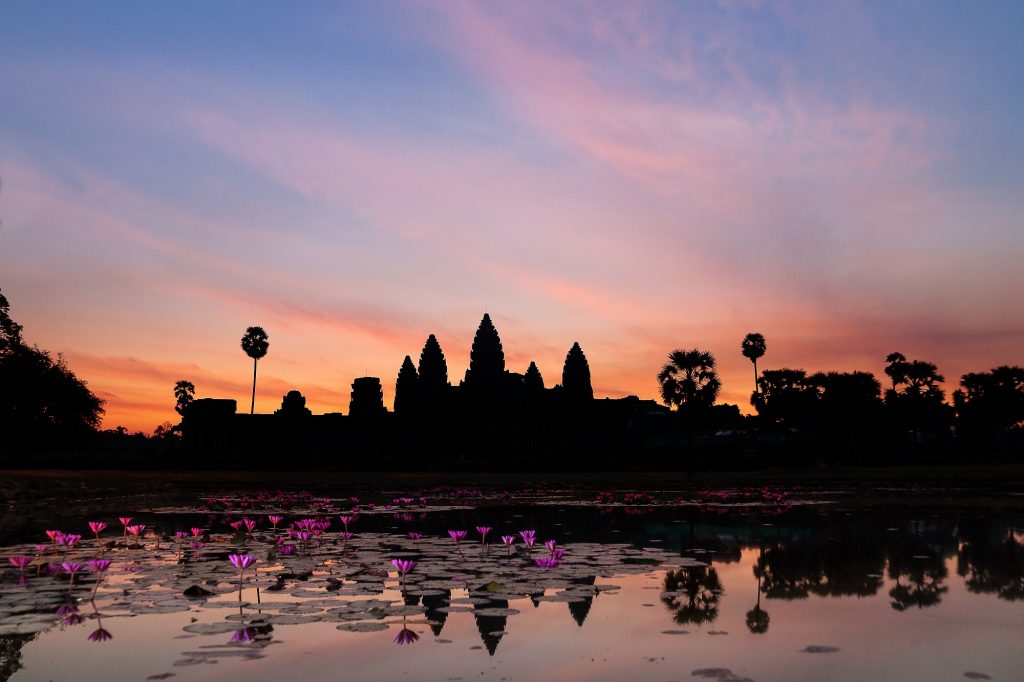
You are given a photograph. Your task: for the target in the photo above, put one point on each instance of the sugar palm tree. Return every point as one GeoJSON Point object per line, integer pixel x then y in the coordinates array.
{"type": "Point", "coordinates": [752, 348]}
{"type": "Point", "coordinates": [255, 344]}
{"type": "Point", "coordinates": [689, 379]}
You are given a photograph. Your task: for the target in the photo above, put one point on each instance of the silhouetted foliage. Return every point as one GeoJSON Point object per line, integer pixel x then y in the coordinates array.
{"type": "Point", "coordinates": [293, 404]}
{"type": "Point", "coordinates": [849, 408]}
{"type": "Point", "coordinates": [184, 394]}
{"type": "Point", "coordinates": [894, 367]}
{"type": "Point", "coordinates": [406, 386]}
{"type": "Point", "coordinates": [692, 594]}
{"type": "Point", "coordinates": [990, 404]}
{"type": "Point", "coordinates": [532, 380]}
{"type": "Point", "coordinates": [367, 398]}
{"type": "Point", "coordinates": [916, 402]}
{"type": "Point", "coordinates": [786, 397]}
{"type": "Point", "coordinates": [753, 348]}
{"type": "Point", "coordinates": [42, 402]}
{"type": "Point", "coordinates": [486, 359]}
{"type": "Point", "coordinates": [991, 563]}
{"type": "Point", "coordinates": [10, 331]}
{"type": "Point", "coordinates": [576, 375]}
{"type": "Point", "coordinates": [433, 370]}
{"type": "Point", "coordinates": [758, 620]}
{"type": "Point", "coordinates": [255, 343]}
{"type": "Point", "coordinates": [689, 379]}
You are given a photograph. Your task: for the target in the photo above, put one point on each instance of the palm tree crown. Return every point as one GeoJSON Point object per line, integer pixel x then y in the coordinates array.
{"type": "Point", "coordinates": [255, 344]}
{"type": "Point", "coordinates": [753, 347]}
{"type": "Point", "coordinates": [689, 379]}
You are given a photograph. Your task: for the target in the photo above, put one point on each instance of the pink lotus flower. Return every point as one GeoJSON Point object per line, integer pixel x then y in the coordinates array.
{"type": "Point", "coordinates": [249, 524]}
{"type": "Point", "coordinates": [546, 562]}
{"type": "Point", "coordinates": [274, 520]}
{"type": "Point", "coordinates": [21, 561]}
{"type": "Point", "coordinates": [346, 520]}
{"type": "Point", "coordinates": [457, 535]}
{"type": "Point", "coordinates": [237, 525]}
{"type": "Point", "coordinates": [414, 535]}
{"type": "Point", "coordinates": [508, 539]}
{"type": "Point", "coordinates": [241, 561]}
{"type": "Point", "coordinates": [97, 527]}
{"type": "Point", "coordinates": [100, 635]}
{"type": "Point", "coordinates": [196, 532]}
{"type": "Point", "coordinates": [483, 530]}
{"type": "Point", "coordinates": [99, 565]}
{"type": "Point", "coordinates": [551, 544]}
{"type": "Point", "coordinates": [406, 636]}
{"type": "Point", "coordinates": [137, 529]}
{"type": "Point", "coordinates": [53, 535]}
{"type": "Point", "coordinates": [286, 549]}
{"type": "Point", "coordinates": [180, 535]}
{"type": "Point", "coordinates": [345, 535]}
{"type": "Point", "coordinates": [528, 537]}
{"type": "Point", "coordinates": [403, 565]}
{"type": "Point", "coordinates": [125, 520]}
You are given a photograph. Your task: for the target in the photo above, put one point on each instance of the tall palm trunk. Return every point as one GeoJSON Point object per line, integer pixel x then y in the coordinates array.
{"type": "Point", "coordinates": [252, 407]}
{"type": "Point", "coordinates": [755, 376]}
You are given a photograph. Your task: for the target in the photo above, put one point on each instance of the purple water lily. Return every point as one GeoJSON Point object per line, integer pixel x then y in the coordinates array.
{"type": "Point", "coordinates": [71, 568]}
{"type": "Point", "coordinates": [415, 535]}
{"type": "Point", "coordinates": [483, 530]}
{"type": "Point", "coordinates": [406, 636]}
{"type": "Point", "coordinates": [508, 540]}
{"type": "Point", "coordinates": [100, 635]}
{"type": "Point", "coordinates": [546, 562]}
{"type": "Point", "coordinates": [20, 562]}
{"type": "Point", "coordinates": [241, 562]}
{"type": "Point", "coordinates": [458, 536]}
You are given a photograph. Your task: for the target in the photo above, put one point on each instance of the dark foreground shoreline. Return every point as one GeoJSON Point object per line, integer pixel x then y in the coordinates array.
{"type": "Point", "coordinates": [16, 484]}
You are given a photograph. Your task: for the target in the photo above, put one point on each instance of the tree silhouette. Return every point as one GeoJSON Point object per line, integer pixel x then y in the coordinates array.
{"type": "Point", "coordinates": [255, 344]}
{"type": "Point", "coordinates": [486, 359]}
{"type": "Point", "coordinates": [405, 388]}
{"type": "Point", "coordinates": [916, 402]}
{"type": "Point", "coordinates": [532, 380]}
{"type": "Point", "coordinates": [991, 403]}
{"type": "Point", "coordinates": [757, 618]}
{"type": "Point", "coordinates": [753, 347]}
{"type": "Point", "coordinates": [10, 331]}
{"type": "Point", "coordinates": [42, 400]}
{"type": "Point", "coordinates": [184, 394]}
{"type": "Point", "coordinates": [785, 396]}
{"type": "Point", "coordinates": [576, 375]}
{"type": "Point", "coordinates": [689, 379]}
{"type": "Point", "coordinates": [895, 368]}
{"type": "Point", "coordinates": [433, 370]}
{"type": "Point", "coordinates": [692, 594]}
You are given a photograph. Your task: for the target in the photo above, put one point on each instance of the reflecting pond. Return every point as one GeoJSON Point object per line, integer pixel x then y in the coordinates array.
{"type": "Point", "coordinates": [722, 584]}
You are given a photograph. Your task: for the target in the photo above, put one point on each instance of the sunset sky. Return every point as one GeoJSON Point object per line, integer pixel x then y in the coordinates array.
{"type": "Point", "coordinates": [846, 178]}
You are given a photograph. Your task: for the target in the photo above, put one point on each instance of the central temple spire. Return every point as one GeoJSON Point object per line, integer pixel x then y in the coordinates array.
{"type": "Point", "coordinates": [487, 359]}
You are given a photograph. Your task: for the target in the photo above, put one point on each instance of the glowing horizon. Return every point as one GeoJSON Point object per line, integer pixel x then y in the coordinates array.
{"type": "Point", "coordinates": [638, 177]}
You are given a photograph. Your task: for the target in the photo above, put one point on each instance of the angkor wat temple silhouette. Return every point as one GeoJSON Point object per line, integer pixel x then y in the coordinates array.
{"type": "Point", "coordinates": [491, 414]}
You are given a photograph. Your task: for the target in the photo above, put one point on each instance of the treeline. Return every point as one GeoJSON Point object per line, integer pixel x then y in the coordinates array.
{"type": "Point", "coordinates": [495, 418]}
